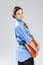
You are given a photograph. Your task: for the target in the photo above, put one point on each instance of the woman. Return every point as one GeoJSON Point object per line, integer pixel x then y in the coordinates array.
{"type": "Point", "coordinates": [22, 34]}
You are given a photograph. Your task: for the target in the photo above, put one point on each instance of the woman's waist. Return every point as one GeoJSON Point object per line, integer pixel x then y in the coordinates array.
{"type": "Point", "coordinates": [22, 43]}
{"type": "Point", "coordinates": [20, 47]}
{"type": "Point", "coordinates": [22, 50]}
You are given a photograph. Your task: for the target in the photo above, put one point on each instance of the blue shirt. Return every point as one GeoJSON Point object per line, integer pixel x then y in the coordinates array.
{"type": "Point", "coordinates": [22, 35]}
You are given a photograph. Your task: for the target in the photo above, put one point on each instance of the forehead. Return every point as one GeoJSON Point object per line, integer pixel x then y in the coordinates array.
{"type": "Point", "coordinates": [19, 11]}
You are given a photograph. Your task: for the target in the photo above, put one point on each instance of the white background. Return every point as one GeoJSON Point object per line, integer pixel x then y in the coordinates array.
{"type": "Point", "coordinates": [33, 15]}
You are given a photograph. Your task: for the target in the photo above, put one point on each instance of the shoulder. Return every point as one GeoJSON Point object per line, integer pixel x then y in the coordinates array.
{"type": "Point", "coordinates": [19, 23]}
{"type": "Point", "coordinates": [16, 23]}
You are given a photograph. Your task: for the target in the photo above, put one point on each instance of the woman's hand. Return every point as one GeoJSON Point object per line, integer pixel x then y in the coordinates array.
{"type": "Point", "coordinates": [38, 47]}
{"type": "Point", "coordinates": [37, 53]}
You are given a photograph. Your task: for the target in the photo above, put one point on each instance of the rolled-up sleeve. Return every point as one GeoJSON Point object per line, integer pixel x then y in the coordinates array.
{"type": "Point", "coordinates": [23, 34]}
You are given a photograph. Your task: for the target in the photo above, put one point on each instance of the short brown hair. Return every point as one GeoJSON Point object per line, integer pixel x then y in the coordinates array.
{"type": "Point", "coordinates": [16, 8]}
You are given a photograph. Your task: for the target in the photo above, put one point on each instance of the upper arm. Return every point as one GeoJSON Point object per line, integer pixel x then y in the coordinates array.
{"type": "Point", "coordinates": [23, 34]}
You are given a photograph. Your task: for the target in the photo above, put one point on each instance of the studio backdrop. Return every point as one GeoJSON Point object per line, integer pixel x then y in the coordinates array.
{"type": "Point", "coordinates": [33, 15]}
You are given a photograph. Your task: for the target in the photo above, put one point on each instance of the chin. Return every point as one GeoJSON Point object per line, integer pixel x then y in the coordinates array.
{"type": "Point", "coordinates": [21, 19]}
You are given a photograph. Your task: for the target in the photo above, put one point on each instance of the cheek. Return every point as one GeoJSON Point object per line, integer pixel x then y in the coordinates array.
{"type": "Point", "coordinates": [23, 16]}
{"type": "Point", "coordinates": [18, 17]}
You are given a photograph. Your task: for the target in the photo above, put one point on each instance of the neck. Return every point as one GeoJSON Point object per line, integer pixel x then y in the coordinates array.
{"type": "Point", "coordinates": [19, 20]}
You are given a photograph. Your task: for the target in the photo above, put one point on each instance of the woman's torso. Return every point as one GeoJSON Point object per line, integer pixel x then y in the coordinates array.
{"type": "Point", "coordinates": [22, 53]}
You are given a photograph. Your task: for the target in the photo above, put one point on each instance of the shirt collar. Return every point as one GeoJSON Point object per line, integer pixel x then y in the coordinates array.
{"type": "Point", "coordinates": [18, 22]}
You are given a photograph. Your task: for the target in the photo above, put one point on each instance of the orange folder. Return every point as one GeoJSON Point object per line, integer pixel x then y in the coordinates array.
{"type": "Point", "coordinates": [31, 50]}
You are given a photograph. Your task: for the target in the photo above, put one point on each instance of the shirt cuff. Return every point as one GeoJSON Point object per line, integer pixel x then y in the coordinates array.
{"type": "Point", "coordinates": [29, 41]}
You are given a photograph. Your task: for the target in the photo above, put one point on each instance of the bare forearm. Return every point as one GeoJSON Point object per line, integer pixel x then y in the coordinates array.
{"type": "Point", "coordinates": [33, 38]}
{"type": "Point", "coordinates": [33, 46]}
{"type": "Point", "coordinates": [38, 46]}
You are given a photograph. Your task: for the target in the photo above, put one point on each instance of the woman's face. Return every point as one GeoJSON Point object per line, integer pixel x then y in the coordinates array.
{"type": "Point", "coordinates": [19, 14]}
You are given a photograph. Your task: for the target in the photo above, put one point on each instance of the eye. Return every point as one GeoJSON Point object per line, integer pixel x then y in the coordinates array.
{"type": "Point", "coordinates": [18, 14]}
